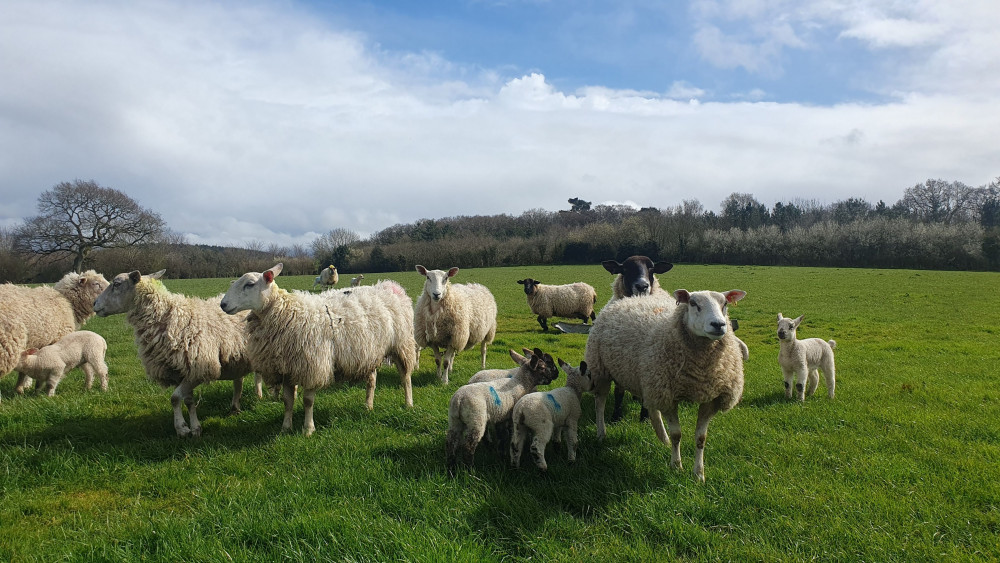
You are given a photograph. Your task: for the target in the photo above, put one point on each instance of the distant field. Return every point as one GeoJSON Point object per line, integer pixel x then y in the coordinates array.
{"type": "Point", "coordinates": [904, 464]}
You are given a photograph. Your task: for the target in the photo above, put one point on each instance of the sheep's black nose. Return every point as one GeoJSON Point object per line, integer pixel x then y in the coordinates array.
{"type": "Point", "coordinates": [641, 286]}
{"type": "Point", "coordinates": [717, 325]}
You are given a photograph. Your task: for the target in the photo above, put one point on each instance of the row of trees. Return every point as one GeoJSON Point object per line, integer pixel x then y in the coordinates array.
{"type": "Point", "coordinates": [935, 225]}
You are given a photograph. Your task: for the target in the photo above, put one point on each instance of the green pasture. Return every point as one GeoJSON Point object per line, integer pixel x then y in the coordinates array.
{"type": "Point", "coordinates": [903, 465]}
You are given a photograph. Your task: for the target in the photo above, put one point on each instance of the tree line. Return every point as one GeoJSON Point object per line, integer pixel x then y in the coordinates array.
{"type": "Point", "coordinates": [935, 225]}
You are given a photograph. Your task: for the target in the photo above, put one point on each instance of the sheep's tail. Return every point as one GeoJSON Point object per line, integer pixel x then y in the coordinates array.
{"type": "Point", "coordinates": [832, 343]}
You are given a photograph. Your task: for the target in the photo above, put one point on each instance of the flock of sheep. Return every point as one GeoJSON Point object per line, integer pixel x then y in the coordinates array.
{"type": "Point", "coordinates": [662, 347]}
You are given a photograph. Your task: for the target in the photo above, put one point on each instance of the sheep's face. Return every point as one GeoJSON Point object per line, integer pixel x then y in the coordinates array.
{"type": "Point", "coordinates": [543, 368]}
{"type": "Point", "coordinates": [637, 273]}
{"type": "Point", "coordinates": [787, 327]}
{"type": "Point", "coordinates": [119, 295]}
{"type": "Point", "coordinates": [250, 291]}
{"type": "Point", "coordinates": [707, 312]}
{"type": "Point", "coordinates": [436, 284]}
{"type": "Point", "coordinates": [529, 285]}
{"type": "Point", "coordinates": [578, 377]}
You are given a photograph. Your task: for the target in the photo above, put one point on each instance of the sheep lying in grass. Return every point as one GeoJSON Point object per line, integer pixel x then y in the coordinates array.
{"type": "Point", "coordinates": [453, 316]}
{"type": "Point", "coordinates": [666, 350]}
{"type": "Point", "coordinates": [550, 413]}
{"type": "Point", "coordinates": [477, 406]}
{"type": "Point", "coordinates": [356, 281]}
{"type": "Point", "coordinates": [182, 341]}
{"type": "Point", "coordinates": [82, 349]}
{"type": "Point", "coordinates": [575, 300]}
{"type": "Point", "coordinates": [327, 278]}
{"type": "Point", "coordinates": [801, 360]}
{"type": "Point", "coordinates": [309, 340]}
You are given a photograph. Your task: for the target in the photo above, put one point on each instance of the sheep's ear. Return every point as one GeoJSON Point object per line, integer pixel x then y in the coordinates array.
{"type": "Point", "coordinates": [780, 317]}
{"type": "Point", "coordinates": [158, 275]}
{"type": "Point", "coordinates": [422, 270]}
{"type": "Point", "coordinates": [662, 267]}
{"type": "Point", "coordinates": [682, 296]}
{"type": "Point", "coordinates": [734, 295]}
{"type": "Point", "coordinates": [134, 276]}
{"type": "Point", "coordinates": [538, 352]}
{"type": "Point", "coordinates": [518, 358]}
{"type": "Point", "coordinates": [583, 369]}
{"type": "Point", "coordinates": [276, 269]}
{"type": "Point", "coordinates": [452, 272]}
{"type": "Point", "coordinates": [520, 282]}
{"type": "Point", "coordinates": [796, 322]}
{"type": "Point", "coordinates": [533, 362]}
{"type": "Point", "coordinates": [612, 266]}
{"type": "Point", "coordinates": [30, 352]}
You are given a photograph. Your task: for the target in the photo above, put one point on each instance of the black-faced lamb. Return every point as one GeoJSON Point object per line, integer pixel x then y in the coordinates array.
{"type": "Point", "coordinates": [311, 340]}
{"type": "Point", "coordinates": [575, 300]}
{"type": "Point", "coordinates": [455, 317]}
{"type": "Point", "coordinates": [182, 341]}
{"type": "Point", "coordinates": [548, 414]}
{"type": "Point", "coordinates": [48, 365]}
{"type": "Point", "coordinates": [803, 359]}
{"type": "Point", "coordinates": [667, 349]}
{"type": "Point", "coordinates": [477, 406]}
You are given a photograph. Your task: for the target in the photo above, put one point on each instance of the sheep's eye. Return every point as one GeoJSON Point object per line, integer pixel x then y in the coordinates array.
{"type": "Point", "coordinates": [248, 285]}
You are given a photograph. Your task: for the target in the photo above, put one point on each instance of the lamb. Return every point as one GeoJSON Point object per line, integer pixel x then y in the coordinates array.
{"type": "Point", "coordinates": [800, 359]}
{"type": "Point", "coordinates": [574, 300]}
{"type": "Point", "coordinates": [477, 406]}
{"type": "Point", "coordinates": [664, 351]}
{"type": "Point", "coordinates": [36, 317]}
{"type": "Point", "coordinates": [453, 316]}
{"type": "Point", "coordinates": [182, 341]}
{"type": "Point", "coordinates": [494, 374]}
{"type": "Point", "coordinates": [327, 278]}
{"type": "Point", "coordinates": [309, 340]}
{"type": "Point", "coordinates": [356, 281]}
{"type": "Point", "coordinates": [635, 276]}
{"type": "Point", "coordinates": [550, 413]}
{"type": "Point", "coordinates": [77, 349]}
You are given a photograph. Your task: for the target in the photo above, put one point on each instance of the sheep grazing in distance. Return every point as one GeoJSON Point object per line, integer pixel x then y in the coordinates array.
{"type": "Point", "coordinates": [356, 281]}
{"type": "Point", "coordinates": [34, 317]}
{"type": "Point", "coordinates": [635, 276]}
{"type": "Point", "coordinates": [664, 350]}
{"type": "Point", "coordinates": [549, 414]}
{"type": "Point", "coordinates": [309, 340]}
{"type": "Point", "coordinates": [575, 300]}
{"type": "Point", "coordinates": [801, 359]}
{"type": "Point", "coordinates": [182, 341]}
{"type": "Point", "coordinates": [48, 365]}
{"type": "Point", "coordinates": [476, 407]}
{"type": "Point", "coordinates": [327, 278]}
{"type": "Point", "coordinates": [455, 317]}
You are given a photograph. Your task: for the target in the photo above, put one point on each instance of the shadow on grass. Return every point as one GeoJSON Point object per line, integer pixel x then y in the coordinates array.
{"type": "Point", "coordinates": [765, 401]}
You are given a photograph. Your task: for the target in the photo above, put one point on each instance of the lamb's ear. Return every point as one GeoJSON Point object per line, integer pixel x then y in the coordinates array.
{"type": "Point", "coordinates": [662, 267]}
{"type": "Point", "coordinates": [421, 270]}
{"type": "Point", "coordinates": [682, 296]}
{"type": "Point", "coordinates": [533, 362]}
{"type": "Point", "coordinates": [583, 369]}
{"type": "Point", "coordinates": [538, 352]}
{"type": "Point", "coordinates": [562, 364]}
{"type": "Point", "coordinates": [734, 295]}
{"type": "Point", "coordinates": [158, 275]}
{"type": "Point", "coordinates": [796, 322]}
{"type": "Point", "coordinates": [452, 272]}
{"type": "Point", "coordinates": [780, 317]}
{"type": "Point", "coordinates": [518, 358]}
{"type": "Point", "coordinates": [134, 276]}
{"type": "Point", "coordinates": [612, 266]}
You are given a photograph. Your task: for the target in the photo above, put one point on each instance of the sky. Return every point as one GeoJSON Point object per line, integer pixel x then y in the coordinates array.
{"type": "Point", "coordinates": [276, 121]}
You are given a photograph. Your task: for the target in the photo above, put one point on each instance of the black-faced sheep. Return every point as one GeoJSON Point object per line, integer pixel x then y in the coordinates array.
{"type": "Point", "coordinates": [635, 276]}
{"type": "Point", "coordinates": [802, 359]}
{"type": "Point", "coordinates": [575, 300]}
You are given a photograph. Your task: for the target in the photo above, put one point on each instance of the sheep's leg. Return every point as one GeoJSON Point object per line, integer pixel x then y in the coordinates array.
{"type": "Point", "coordinates": [813, 382]}
{"type": "Point", "coordinates": [482, 354]}
{"type": "Point", "coordinates": [600, 399]}
{"type": "Point", "coordinates": [802, 372]}
{"type": "Point", "coordinates": [829, 371]}
{"type": "Point", "coordinates": [453, 439]}
{"type": "Point", "coordinates": [370, 394]}
{"type": "Point", "coordinates": [439, 364]}
{"type": "Point", "coordinates": [234, 406]}
{"type": "Point", "coordinates": [258, 385]}
{"type": "Point", "coordinates": [705, 413]}
{"type": "Point", "coordinates": [572, 440]}
{"type": "Point", "coordinates": [616, 414]}
{"type": "Point", "coordinates": [473, 435]}
{"type": "Point", "coordinates": [543, 323]}
{"type": "Point", "coordinates": [102, 374]}
{"type": "Point", "coordinates": [447, 363]}
{"type": "Point", "coordinates": [88, 376]}
{"type": "Point", "coordinates": [538, 444]}
{"type": "Point", "coordinates": [789, 376]}
{"type": "Point", "coordinates": [176, 400]}
{"type": "Point", "coordinates": [288, 397]}
{"type": "Point", "coordinates": [405, 375]}
{"type": "Point", "coordinates": [517, 444]}
{"type": "Point", "coordinates": [192, 406]}
{"type": "Point", "coordinates": [308, 399]}
{"type": "Point", "coordinates": [675, 436]}
{"type": "Point", "coordinates": [23, 381]}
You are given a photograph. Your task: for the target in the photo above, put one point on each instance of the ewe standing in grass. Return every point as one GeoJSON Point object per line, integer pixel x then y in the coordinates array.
{"type": "Point", "coordinates": [664, 350]}
{"type": "Point", "coordinates": [182, 341]}
{"type": "Point", "coordinates": [309, 340]}
{"type": "Point", "coordinates": [82, 348]}
{"type": "Point", "coordinates": [801, 360]}
{"type": "Point", "coordinates": [453, 316]}
{"type": "Point", "coordinates": [575, 300]}
{"type": "Point", "coordinates": [327, 278]}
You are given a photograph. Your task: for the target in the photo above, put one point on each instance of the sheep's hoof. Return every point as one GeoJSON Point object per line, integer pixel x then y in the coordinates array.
{"type": "Point", "coordinates": [700, 477]}
{"type": "Point", "coordinates": [196, 432]}
{"type": "Point", "coordinates": [183, 431]}
{"type": "Point", "coordinates": [676, 464]}
{"type": "Point", "coordinates": [235, 410]}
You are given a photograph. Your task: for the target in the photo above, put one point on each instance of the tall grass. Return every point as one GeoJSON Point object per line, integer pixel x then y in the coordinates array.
{"type": "Point", "coordinates": [903, 464]}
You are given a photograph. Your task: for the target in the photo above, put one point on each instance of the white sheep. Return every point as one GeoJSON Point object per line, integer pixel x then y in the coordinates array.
{"type": "Point", "coordinates": [476, 407]}
{"type": "Point", "coordinates": [575, 300]}
{"type": "Point", "coordinates": [664, 350]}
{"type": "Point", "coordinates": [453, 316]}
{"type": "Point", "coordinates": [356, 281]}
{"type": "Point", "coordinates": [34, 317]}
{"type": "Point", "coordinates": [49, 364]}
{"type": "Point", "coordinates": [311, 340]}
{"type": "Point", "coordinates": [327, 278]}
{"type": "Point", "coordinates": [801, 360]}
{"type": "Point", "coordinates": [182, 341]}
{"type": "Point", "coordinates": [548, 414]}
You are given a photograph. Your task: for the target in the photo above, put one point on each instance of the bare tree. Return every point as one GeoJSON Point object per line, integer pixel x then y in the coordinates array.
{"type": "Point", "coordinates": [939, 201]}
{"type": "Point", "coordinates": [75, 218]}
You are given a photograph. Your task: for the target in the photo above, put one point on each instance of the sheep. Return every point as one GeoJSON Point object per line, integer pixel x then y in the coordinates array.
{"type": "Point", "coordinates": [476, 407]}
{"type": "Point", "coordinates": [664, 351]}
{"type": "Point", "coordinates": [182, 341]}
{"type": "Point", "coordinates": [800, 359]}
{"type": "Point", "coordinates": [494, 374]}
{"type": "Point", "coordinates": [550, 413]}
{"type": "Point", "coordinates": [356, 281]}
{"type": "Point", "coordinates": [49, 364]}
{"type": "Point", "coordinates": [327, 278]}
{"type": "Point", "coordinates": [309, 340]}
{"type": "Point", "coordinates": [635, 276]}
{"type": "Point", "coordinates": [574, 300]}
{"type": "Point", "coordinates": [36, 317]}
{"type": "Point", "coordinates": [453, 316]}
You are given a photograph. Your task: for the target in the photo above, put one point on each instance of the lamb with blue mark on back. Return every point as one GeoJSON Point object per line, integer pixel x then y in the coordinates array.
{"type": "Point", "coordinates": [549, 414]}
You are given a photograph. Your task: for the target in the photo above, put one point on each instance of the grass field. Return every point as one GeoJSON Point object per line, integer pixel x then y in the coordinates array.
{"type": "Point", "coordinates": [903, 464]}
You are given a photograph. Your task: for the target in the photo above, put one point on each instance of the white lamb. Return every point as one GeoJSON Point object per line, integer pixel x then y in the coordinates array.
{"type": "Point", "coordinates": [801, 359]}
{"type": "Point", "coordinates": [665, 350]}
{"type": "Point", "coordinates": [550, 413]}
{"type": "Point", "coordinates": [453, 316]}
{"type": "Point", "coordinates": [575, 300]}
{"type": "Point", "coordinates": [494, 374]}
{"type": "Point", "coordinates": [327, 278]}
{"type": "Point", "coordinates": [356, 281]}
{"type": "Point", "coordinates": [311, 340]}
{"type": "Point", "coordinates": [478, 406]}
{"type": "Point", "coordinates": [182, 341]}
{"type": "Point", "coordinates": [80, 349]}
